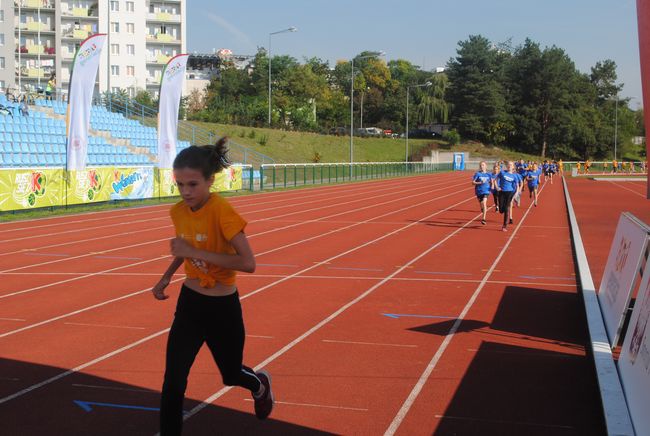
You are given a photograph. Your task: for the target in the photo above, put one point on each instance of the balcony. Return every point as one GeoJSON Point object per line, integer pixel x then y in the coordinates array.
{"type": "Point", "coordinates": [76, 34]}
{"type": "Point", "coordinates": [160, 59]}
{"type": "Point", "coordinates": [34, 73]}
{"type": "Point", "coordinates": [35, 50]}
{"type": "Point", "coordinates": [162, 38]}
{"type": "Point", "coordinates": [164, 17]}
{"type": "Point", "coordinates": [34, 27]}
{"type": "Point", "coordinates": [34, 4]}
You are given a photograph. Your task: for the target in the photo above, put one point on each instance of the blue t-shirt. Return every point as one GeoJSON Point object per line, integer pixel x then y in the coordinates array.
{"type": "Point", "coordinates": [508, 181]}
{"type": "Point", "coordinates": [494, 177]}
{"type": "Point", "coordinates": [545, 167]}
{"type": "Point", "coordinates": [534, 178]}
{"type": "Point", "coordinates": [484, 187]}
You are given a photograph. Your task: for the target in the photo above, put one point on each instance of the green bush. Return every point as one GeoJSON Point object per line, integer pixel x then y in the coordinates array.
{"type": "Point", "coordinates": [452, 137]}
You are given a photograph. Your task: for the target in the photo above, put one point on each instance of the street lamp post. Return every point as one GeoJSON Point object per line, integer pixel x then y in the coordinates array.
{"type": "Point", "coordinates": [408, 88]}
{"type": "Point", "coordinates": [615, 126]}
{"type": "Point", "coordinates": [363, 92]}
{"type": "Point", "coordinates": [371, 55]}
{"type": "Point", "coordinates": [290, 29]}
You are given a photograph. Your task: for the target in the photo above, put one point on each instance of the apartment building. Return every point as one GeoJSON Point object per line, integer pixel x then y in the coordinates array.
{"type": "Point", "coordinates": [40, 37]}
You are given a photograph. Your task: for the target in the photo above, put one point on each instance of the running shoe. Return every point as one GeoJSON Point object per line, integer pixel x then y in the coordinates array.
{"type": "Point", "coordinates": [483, 222]}
{"type": "Point", "coordinates": [264, 404]}
{"type": "Point", "coordinates": [510, 221]}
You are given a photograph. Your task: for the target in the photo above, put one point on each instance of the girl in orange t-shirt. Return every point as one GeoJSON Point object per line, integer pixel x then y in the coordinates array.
{"type": "Point", "coordinates": [211, 243]}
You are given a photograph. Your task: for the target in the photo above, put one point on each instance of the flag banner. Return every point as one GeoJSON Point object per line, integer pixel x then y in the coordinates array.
{"type": "Point", "coordinates": [171, 88]}
{"type": "Point", "coordinates": [80, 95]}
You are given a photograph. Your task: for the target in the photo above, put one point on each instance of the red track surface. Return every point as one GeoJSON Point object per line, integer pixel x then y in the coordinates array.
{"type": "Point", "coordinates": [598, 206]}
{"type": "Point", "coordinates": [494, 344]}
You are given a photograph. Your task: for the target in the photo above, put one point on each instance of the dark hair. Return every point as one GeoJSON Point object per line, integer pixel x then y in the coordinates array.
{"type": "Point", "coordinates": [208, 159]}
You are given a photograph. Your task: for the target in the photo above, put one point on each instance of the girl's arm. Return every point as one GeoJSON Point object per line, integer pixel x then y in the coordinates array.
{"type": "Point", "coordinates": [159, 289]}
{"type": "Point", "coordinates": [243, 260]}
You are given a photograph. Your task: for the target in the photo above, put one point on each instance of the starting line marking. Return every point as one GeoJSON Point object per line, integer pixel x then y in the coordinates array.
{"type": "Point", "coordinates": [443, 272]}
{"type": "Point", "coordinates": [316, 405]}
{"type": "Point", "coordinates": [259, 336]}
{"type": "Point", "coordinates": [104, 325]}
{"type": "Point", "coordinates": [13, 319]}
{"type": "Point", "coordinates": [369, 343]}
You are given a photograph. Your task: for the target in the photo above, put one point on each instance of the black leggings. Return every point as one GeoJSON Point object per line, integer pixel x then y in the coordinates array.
{"type": "Point", "coordinates": [505, 200]}
{"type": "Point", "coordinates": [216, 321]}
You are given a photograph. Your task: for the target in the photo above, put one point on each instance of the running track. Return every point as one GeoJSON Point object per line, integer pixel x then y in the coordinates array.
{"type": "Point", "coordinates": [485, 333]}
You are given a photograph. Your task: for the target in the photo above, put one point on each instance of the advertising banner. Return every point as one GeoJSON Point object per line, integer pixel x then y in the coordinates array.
{"type": "Point", "coordinates": [30, 188]}
{"type": "Point", "coordinates": [634, 360]}
{"type": "Point", "coordinates": [82, 86]}
{"type": "Point", "coordinates": [621, 272]}
{"type": "Point", "coordinates": [171, 88]}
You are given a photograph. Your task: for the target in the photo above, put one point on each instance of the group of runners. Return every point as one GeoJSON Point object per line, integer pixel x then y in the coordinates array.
{"type": "Point", "coordinates": [506, 184]}
{"type": "Point", "coordinates": [616, 167]}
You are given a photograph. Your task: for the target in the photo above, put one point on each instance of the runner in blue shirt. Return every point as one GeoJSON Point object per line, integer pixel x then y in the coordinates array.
{"type": "Point", "coordinates": [482, 181]}
{"type": "Point", "coordinates": [533, 182]}
{"type": "Point", "coordinates": [507, 185]}
{"type": "Point", "coordinates": [495, 173]}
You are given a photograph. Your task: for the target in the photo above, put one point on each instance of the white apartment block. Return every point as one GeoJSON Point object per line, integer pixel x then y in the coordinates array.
{"type": "Point", "coordinates": [39, 37]}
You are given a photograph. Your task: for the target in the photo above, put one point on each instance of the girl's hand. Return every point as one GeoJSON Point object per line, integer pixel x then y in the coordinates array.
{"type": "Point", "coordinates": [159, 289]}
{"type": "Point", "coordinates": [181, 248]}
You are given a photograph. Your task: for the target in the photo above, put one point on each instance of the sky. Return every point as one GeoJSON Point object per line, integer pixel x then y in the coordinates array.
{"type": "Point", "coordinates": [424, 32]}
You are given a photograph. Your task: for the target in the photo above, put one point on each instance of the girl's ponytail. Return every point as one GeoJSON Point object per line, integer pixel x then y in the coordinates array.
{"type": "Point", "coordinates": [209, 159]}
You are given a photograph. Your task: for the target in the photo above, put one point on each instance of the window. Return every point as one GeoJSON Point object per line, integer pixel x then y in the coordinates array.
{"type": "Point", "coordinates": [115, 5]}
{"type": "Point", "coordinates": [2, 15]}
{"type": "Point", "coordinates": [130, 28]}
{"type": "Point", "coordinates": [115, 70]}
{"type": "Point", "coordinates": [130, 6]}
{"type": "Point", "coordinates": [2, 63]}
{"type": "Point", "coordinates": [115, 89]}
{"type": "Point", "coordinates": [130, 70]}
{"type": "Point", "coordinates": [131, 92]}
{"type": "Point", "coordinates": [2, 39]}
{"type": "Point", "coordinates": [130, 49]}
{"type": "Point", "coordinates": [2, 85]}
{"type": "Point", "coordinates": [115, 49]}
{"type": "Point", "coordinates": [115, 27]}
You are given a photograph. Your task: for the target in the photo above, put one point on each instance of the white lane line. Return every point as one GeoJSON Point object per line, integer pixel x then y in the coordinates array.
{"type": "Point", "coordinates": [406, 406]}
{"type": "Point", "coordinates": [302, 241]}
{"type": "Point", "coordinates": [282, 279]}
{"type": "Point", "coordinates": [83, 229]}
{"type": "Point", "coordinates": [369, 343]}
{"type": "Point", "coordinates": [259, 336]}
{"type": "Point", "coordinates": [104, 326]}
{"type": "Point", "coordinates": [80, 367]}
{"type": "Point", "coordinates": [79, 277]}
{"type": "Point", "coordinates": [85, 309]}
{"type": "Point", "coordinates": [115, 388]}
{"type": "Point", "coordinates": [268, 360]}
{"type": "Point", "coordinates": [342, 309]}
{"type": "Point", "coordinates": [315, 277]}
{"type": "Point", "coordinates": [12, 319]}
{"type": "Point", "coordinates": [501, 421]}
{"type": "Point", "coordinates": [79, 241]}
{"type": "Point", "coordinates": [628, 189]}
{"type": "Point", "coordinates": [321, 406]}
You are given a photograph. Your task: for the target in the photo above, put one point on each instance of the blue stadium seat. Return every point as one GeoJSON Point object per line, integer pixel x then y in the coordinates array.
{"type": "Point", "coordinates": [49, 160]}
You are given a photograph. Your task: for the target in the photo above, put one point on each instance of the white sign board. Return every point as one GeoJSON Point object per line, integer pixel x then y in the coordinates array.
{"type": "Point", "coordinates": [634, 361]}
{"type": "Point", "coordinates": [621, 272]}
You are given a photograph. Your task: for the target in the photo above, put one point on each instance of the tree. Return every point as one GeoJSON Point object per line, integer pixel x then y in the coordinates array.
{"type": "Point", "coordinates": [475, 92]}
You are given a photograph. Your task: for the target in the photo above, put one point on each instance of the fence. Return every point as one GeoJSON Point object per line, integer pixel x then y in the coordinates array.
{"type": "Point", "coordinates": [606, 167]}
{"type": "Point", "coordinates": [272, 176]}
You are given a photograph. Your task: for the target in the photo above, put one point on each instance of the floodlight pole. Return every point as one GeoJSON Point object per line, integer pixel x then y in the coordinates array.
{"type": "Point", "coordinates": [290, 29]}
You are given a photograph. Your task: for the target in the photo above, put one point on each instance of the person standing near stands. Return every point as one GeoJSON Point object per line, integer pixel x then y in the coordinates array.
{"type": "Point", "coordinates": [51, 87]}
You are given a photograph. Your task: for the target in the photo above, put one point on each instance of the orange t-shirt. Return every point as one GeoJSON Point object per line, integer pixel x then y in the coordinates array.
{"type": "Point", "coordinates": [210, 228]}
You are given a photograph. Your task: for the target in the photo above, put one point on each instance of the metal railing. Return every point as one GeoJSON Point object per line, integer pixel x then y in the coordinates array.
{"type": "Point", "coordinates": [148, 116]}
{"type": "Point", "coordinates": [272, 176]}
